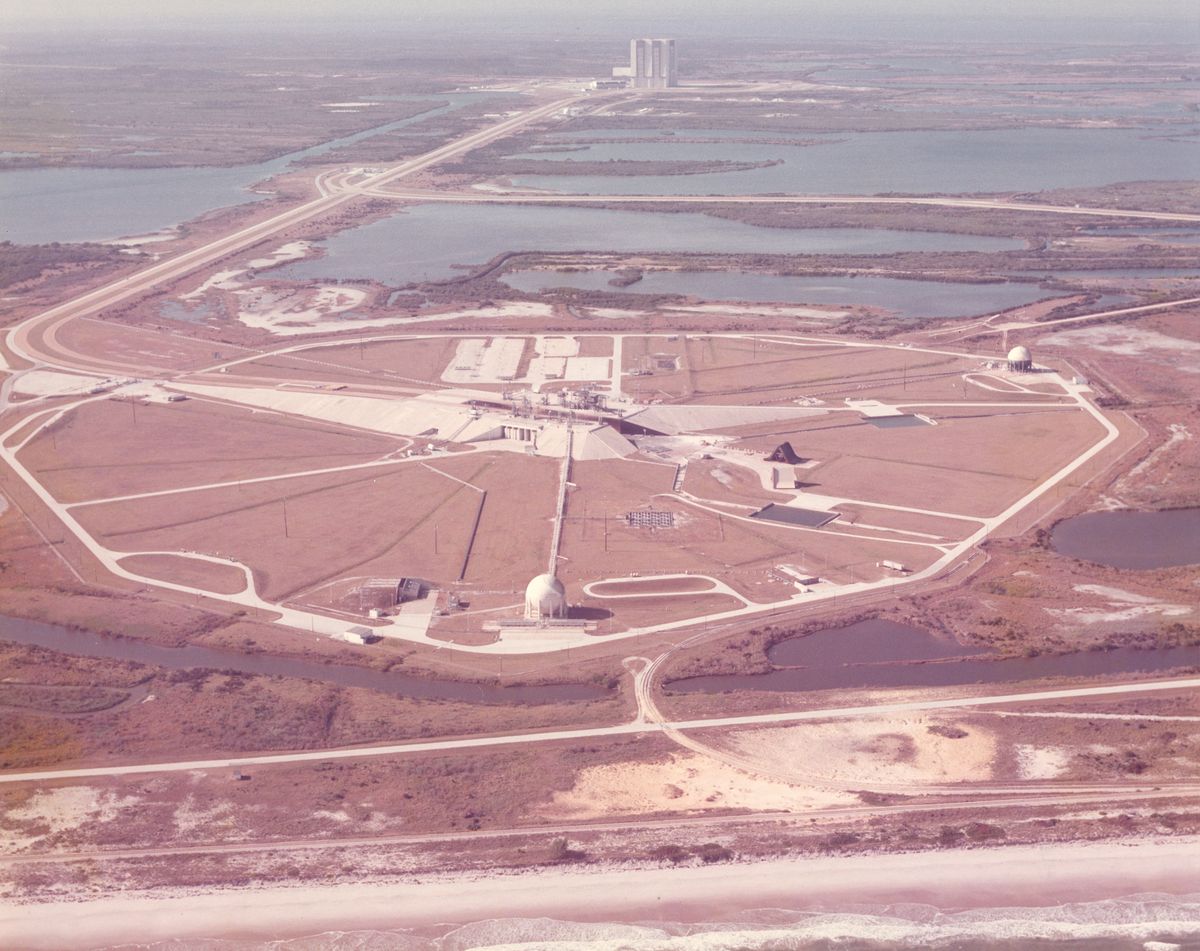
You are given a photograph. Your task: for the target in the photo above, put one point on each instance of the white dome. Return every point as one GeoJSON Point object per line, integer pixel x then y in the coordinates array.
{"type": "Point", "coordinates": [545, 596]}
{"type": "Point", "coordinates": [1019, 355]}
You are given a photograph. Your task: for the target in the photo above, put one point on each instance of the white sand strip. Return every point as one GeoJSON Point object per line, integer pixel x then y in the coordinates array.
{"type": "Point", "coordinates": [972, 878]}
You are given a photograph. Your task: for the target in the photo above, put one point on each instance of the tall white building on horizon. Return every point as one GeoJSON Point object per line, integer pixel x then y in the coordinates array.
{"type": "Point", "coordinates": [652, 64]}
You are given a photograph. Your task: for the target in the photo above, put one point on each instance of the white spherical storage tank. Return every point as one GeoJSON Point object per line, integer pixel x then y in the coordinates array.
{"type": "Point", "coordinates": [545, 596]}
{"type": "Point", "coordinates": [1019, 358]}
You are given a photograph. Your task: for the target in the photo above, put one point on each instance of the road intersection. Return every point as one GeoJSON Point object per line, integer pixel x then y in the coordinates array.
{"type": "Point", "coordinates": [648, 720]}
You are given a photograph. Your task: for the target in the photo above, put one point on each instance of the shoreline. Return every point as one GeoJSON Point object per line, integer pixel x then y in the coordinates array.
{"type": "Point", "coordinates": [1026, 876]}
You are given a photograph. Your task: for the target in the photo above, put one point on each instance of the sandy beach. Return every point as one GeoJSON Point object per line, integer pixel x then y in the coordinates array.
{"type": "Point", "coordinates": [975, 878]}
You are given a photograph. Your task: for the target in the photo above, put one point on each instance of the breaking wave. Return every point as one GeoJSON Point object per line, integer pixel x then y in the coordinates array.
{"type": "Point", "coordinates": [1154, 922]}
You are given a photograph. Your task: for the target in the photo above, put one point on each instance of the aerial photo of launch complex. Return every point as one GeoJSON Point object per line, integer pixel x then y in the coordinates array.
{"type": "Point", "coordinates": [427, 465]}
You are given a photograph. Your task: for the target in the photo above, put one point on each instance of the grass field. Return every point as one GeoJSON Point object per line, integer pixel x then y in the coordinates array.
{"type": "Point", "coordinates": [410, 520]}
{"type": "Point", "coordinates": [967, 465]}
{"type": "Point", "coordinates": [110, 448]}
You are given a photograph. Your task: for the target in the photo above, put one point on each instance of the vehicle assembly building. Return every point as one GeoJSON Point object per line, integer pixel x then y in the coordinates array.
{"type": "Point", "coordinates": [652, 64]}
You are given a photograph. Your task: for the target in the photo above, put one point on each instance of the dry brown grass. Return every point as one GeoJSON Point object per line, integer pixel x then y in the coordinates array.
{"type": "Point", "coordinates": [741, 552]}
{"type": "Point", "coordinates": [653, 586]}
{"type": "Point", "coordinates": [404, 521]}
{"type": "Point", "coordinates": [595, 346]}
{"type": "Point", "coordinates": [139, 346]}
{"type": "Point", "coordinates": [974, 465]}
{"type": "Point", "coordinates": [110, 447]}
{"type": "Point", "coordinates": [721, 481]}
{"type": "Point", "coordinates": [947, 528]}
{"type": "Point", "coordinates": [223, 712]}
{"type": "Point", "coordinates": [179, 569]}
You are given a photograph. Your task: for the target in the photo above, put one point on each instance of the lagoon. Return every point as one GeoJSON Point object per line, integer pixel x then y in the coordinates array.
{"type": "Point", "coordinates": [871, 163]}
{"type": "Point", "coordinates": [424, 242]}
{"type": "Point", "coordinates": [907, 299]}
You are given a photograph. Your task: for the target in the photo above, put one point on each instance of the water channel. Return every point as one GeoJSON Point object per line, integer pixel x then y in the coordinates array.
{"type": "Point", "coordinates": [879, 653]}
{"type": "Point", "coordinates": [87, 644]}
{"type": "Point", "coordinates": [41, 205]}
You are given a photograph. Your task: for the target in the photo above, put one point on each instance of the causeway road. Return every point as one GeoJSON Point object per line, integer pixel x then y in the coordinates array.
{"type": "Point", "coordinates": [35, 338]}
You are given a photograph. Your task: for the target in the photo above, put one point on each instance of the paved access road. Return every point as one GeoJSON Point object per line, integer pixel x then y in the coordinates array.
{"type": "Point", "coordinates": [35, 339]}
{"type": "Point", "coordinates": [646, 722]}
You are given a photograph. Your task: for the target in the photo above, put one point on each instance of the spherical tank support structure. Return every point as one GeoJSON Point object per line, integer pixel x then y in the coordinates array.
{"type": "Point", "coordinates": [545, 597]}
{"type": "Point", "coordinates": [1020, 360]}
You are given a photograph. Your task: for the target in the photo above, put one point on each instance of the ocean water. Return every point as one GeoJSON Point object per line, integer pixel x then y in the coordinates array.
{"type": "Point", "coordinates": [1124, 924]}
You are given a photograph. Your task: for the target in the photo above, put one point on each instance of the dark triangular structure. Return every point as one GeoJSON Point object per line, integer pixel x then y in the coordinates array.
{"type": "Point", "coordinates": [784, 453]}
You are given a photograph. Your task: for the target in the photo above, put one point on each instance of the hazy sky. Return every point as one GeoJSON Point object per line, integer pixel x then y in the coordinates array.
{"type": "Point", "coordinates": [695, 16]}
{"type": "Point", "coordinates": [65, 10]}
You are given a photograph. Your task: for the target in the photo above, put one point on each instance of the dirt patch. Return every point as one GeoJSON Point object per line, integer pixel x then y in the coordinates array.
{"type": "Point", "coordinates": [683, 782]}
{"type": "Point", "coordinates": [871, 752]}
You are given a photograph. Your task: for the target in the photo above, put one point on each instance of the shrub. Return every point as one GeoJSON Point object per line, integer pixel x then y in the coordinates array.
{"type": "Point", "coordinates": [711, 852]}
{"type": "Point", "coordinates": [979, 831]}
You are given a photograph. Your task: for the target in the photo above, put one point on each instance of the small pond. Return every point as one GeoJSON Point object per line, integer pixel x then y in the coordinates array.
{"type": "Point", "coordinates": [1131, 539]}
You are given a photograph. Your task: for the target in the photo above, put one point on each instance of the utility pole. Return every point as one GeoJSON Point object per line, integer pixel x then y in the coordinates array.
{"type": "Point", "coordinates": [285, 521]}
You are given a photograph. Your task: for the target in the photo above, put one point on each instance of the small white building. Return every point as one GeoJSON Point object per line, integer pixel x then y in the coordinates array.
{"type": "Point", "coordinates": [356, 635]}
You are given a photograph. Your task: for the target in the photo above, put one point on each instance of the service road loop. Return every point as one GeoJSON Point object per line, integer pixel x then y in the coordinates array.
{"type": "Point", "coordinates": [950, 555]}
